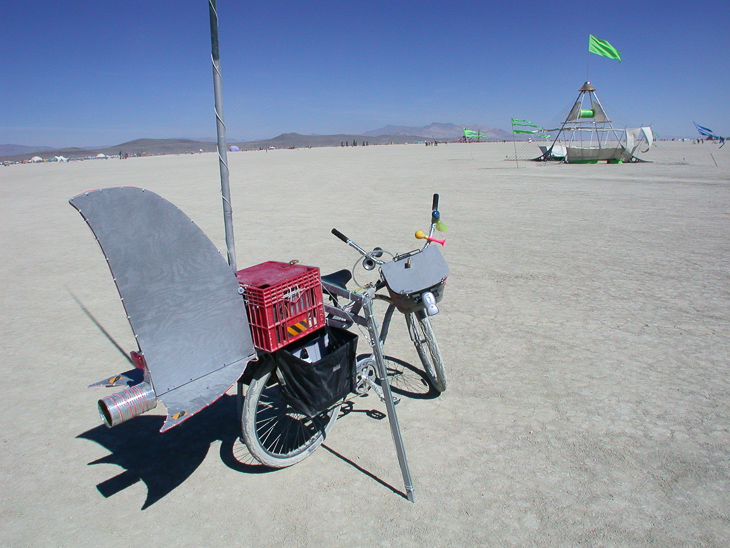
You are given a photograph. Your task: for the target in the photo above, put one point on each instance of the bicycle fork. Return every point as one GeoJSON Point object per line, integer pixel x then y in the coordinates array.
{"type": "Point", "coordinates": [389, 405]}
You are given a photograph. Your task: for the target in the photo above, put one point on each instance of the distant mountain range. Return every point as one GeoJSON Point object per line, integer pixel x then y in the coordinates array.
{"type": "Point", "coordinates": [296, 140]}
{"type": "Point", "coordinates": [138, 147]}
{"type": "Point", "coordinates": [11, 150]}
{"type": "Point", "coordinates": [438, 130]}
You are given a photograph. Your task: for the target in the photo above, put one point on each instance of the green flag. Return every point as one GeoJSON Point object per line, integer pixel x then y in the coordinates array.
{"type": "Point", "coordinates": [518, 124]}
{"type": "Point", "coordinates": [469, 133]}
{"type": "Point", "coordinates": [601, 47]}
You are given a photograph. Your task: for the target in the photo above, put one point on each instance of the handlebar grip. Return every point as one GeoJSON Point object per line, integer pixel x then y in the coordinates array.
{"type": "Point", "coordinates": [340, 235]}
{"type": "Point", "coordinates": [435, 205]}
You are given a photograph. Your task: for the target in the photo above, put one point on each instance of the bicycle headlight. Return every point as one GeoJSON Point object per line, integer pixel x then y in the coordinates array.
{"type": "Point", "coordinates": [430, 301]}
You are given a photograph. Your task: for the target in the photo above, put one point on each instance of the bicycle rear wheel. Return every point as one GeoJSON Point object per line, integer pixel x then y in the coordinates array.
{"type": "Point", "coordinates": [275, 433]}
{"type": "Point", "coordinates": [419, 327]}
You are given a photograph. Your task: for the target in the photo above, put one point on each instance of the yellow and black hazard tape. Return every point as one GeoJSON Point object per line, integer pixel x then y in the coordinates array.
{"type": "Point", "coordinates": [297, 328]}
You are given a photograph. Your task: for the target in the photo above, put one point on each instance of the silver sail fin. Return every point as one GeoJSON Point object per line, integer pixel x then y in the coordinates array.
{"type": "Point", "coordinates": [180, 296]}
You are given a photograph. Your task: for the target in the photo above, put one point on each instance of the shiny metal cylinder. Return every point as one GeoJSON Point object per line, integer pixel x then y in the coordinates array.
{"type": "Point", "coordinates": [127, 404]}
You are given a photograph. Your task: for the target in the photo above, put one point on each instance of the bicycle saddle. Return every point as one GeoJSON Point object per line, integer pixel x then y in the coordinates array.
{"type": "Point", "coordinates": [340, 278]}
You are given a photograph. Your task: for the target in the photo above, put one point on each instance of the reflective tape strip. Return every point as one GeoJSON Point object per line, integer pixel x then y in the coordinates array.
{"type": "Point", "coordinates": [297, 328]}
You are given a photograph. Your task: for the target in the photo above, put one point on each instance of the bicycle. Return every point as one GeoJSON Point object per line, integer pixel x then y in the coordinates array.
{"type": "Point", "coordinates": [276, 433]}
{"type": "Point", "coordinates": [195, 338]}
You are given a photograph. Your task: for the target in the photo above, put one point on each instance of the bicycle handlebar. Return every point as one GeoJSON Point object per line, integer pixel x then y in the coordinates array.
{"type": "Point", "coordinates": [377, 252]}
{"type": "Point", "coordinates": [372, 255]}
{"type": "Point", "coordinates": [340, 235]}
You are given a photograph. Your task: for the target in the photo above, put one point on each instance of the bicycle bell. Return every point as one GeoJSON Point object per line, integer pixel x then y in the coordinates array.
{"type": "Point", "coordinates": [368, 263]}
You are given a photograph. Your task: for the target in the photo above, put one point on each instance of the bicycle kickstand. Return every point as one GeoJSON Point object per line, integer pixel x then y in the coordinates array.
{"type": "Point", "coordinates": [389, 405]}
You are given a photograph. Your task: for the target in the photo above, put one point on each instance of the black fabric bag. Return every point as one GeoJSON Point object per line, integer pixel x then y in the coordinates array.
{"type": "Point", "coordinates": [312, 388]}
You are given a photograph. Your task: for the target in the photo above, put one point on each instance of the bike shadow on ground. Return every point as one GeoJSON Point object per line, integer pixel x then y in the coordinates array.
{"type": "Point", "coordinates": [347, 408]}
{"type": "Point", "coordinates": [407, 380]}
{"type": "Point", "coordinates": [164, 461]}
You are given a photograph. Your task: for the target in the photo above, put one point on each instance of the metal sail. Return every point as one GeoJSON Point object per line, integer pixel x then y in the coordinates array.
{"type": "Point", "coordinates": [180, 297]}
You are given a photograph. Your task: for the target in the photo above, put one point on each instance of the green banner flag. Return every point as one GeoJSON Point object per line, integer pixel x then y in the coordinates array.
{"type": "Point", "coordinates": [516, 124]}
{"type": "Point", "coordinates": [601, 47]}
{"type": "Point", "coordinates": [474, 134]}
{"type": "Point", "coordinates": [523, 123]}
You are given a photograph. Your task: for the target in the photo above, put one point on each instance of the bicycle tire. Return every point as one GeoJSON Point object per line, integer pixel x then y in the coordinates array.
{"type": "Point", "coordinates": [419, 327]}
{"type": "Point", "coordinates": [275, 433]}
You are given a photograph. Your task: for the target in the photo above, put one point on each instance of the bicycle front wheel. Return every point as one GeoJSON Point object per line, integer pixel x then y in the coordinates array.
{"type": "Point", "coordinates": [275, 433]}
{"type": "Point", "coordinates": [419, 327]}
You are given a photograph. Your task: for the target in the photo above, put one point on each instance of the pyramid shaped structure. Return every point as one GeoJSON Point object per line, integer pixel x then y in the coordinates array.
{"type": "Point", "coordinates": [587, 135]}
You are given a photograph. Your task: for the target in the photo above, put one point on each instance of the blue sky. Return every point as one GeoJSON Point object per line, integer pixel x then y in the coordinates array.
{"type": "Point", "coordinates": [81, 73]}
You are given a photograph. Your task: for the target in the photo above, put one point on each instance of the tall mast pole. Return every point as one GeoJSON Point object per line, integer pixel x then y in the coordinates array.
{"type": "Point", "coordinates": [221, 127]}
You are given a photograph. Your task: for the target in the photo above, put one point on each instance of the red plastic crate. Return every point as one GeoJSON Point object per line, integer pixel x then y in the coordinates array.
{"type": "Point", "coordinates": [283, 301]}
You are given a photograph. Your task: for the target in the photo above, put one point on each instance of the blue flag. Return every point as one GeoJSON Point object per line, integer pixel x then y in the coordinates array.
{"type": "Point", "coordinates": [706, 132]}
